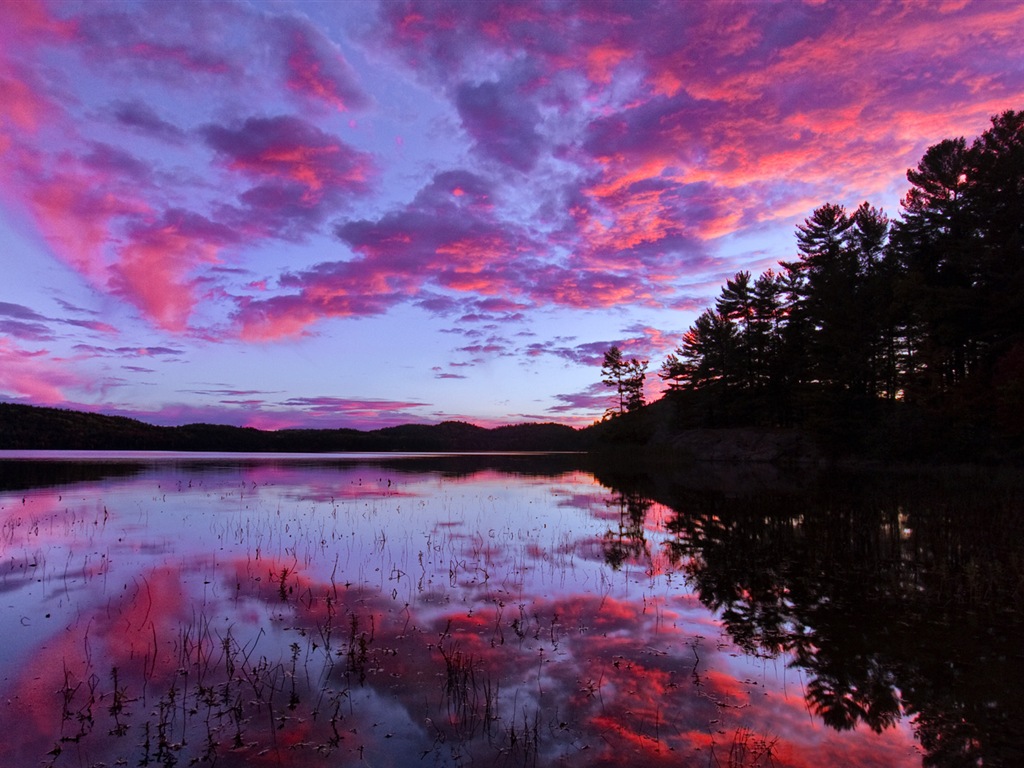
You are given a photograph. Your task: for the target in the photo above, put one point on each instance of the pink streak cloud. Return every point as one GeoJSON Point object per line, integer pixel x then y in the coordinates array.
{"type": "Point", "coordinates": [128, 352]}
{"type": "Point", "coordinates": [22, 322]}
{"type": "Point", "coordinates": [316, 69]}
{"type": "Point", "coordinates": [594, 399]}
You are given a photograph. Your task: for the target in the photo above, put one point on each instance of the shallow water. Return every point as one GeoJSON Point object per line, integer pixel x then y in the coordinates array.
{"type": "Point", "coordinates": [519, 610]}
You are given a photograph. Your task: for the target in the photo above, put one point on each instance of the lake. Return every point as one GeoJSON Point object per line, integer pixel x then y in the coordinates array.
{"type": "Point", "coordinates": [446, 610]}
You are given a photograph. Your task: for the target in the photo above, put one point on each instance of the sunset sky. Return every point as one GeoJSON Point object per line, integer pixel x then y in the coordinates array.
{"type": "Point", "coordinates": [360, 214]}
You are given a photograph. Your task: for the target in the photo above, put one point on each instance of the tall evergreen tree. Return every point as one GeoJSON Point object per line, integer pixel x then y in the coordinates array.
{"type": "Point", "coordinates": [874, 351]}
{"type": "Point", "coordinates": [994, 198]}
{"type": "Point", "coordinates": [736, 304]}
{"type": "Point", "coordinates": [821, 313]}
{"type": "Point", "coordinates": [706, 356]}
{"type": "Point", "coordinates": [934, 242]}
{"type": "Point", "coordinates": [627, 377]}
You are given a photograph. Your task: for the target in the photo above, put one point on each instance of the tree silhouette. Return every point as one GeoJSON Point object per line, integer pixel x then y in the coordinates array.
{"type": "Point", "coordinates": [878, 324]}
{"type": "Point", "coordinates": [627, 377]}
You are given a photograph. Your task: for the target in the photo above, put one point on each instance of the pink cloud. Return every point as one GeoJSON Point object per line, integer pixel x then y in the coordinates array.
{"type": "Point", "coordinates": [335, 289]}
{"type": "Point", "coordinates": [105, 210]}
{"type": "Point", "coordinates": [154, 265]}
{"type": "Point", "coordinates": [36, 376]}
{"type": "Point", "coordinates": [441, 238]}
{"type": "Point", "coordinates": [451, 238]}
{"type": "Point", "coordinates": [97, 213]}
{"type": "Point", "coordinates": [726, 114]}
{"type": "Point", "coordinates": [316, 69]}
{"type": "Point", "coordinates": [24, 26]}
{"type": "Point", "coordinates": [76, 212]}
{"type": "Point", "coordinates": [602, 60]}
{"type": "Point", "coordinates": [731, 114]}
{"type": "Point", "coordinates": [581, 287]}
{"type": "Point", "coordinates": [106, 230]}
{"type": "Point", "coordinates": [291, 149]}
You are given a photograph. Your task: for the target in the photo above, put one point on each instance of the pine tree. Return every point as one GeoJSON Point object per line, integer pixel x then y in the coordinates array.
{"type": "Point", "coordinates": [627, 377]}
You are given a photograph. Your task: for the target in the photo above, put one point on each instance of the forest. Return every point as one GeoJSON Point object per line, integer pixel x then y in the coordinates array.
{"type": "Point", "coordinates": [881, 335]}
{"type": "Point", "coordinates": [28, 427]}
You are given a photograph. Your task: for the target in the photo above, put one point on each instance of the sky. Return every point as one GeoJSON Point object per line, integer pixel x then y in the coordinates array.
{"type": "Point", "coordinates": [358, 214]}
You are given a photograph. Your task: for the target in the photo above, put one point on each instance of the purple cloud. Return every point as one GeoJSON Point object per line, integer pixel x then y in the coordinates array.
{"type": "Point", "coordinates": [228, 392]}
{"type": "Point", "coordinates": [109, 160]}
{"type": "Point", "coordinates": [157, 43]}
{"type": "Point", "coordinates": [502, 125]}
{"type": "Point", "coordinates": [25, 323]}
{"type": "Point", "coordinates": [140, 117]}
{"type": "Point", "coordinates": [292, 149]}
{"type": "Point", "coordinates": [131, 352]}
{"type": "Point", "coordinates": [27, 331]}
{"type": "Point", "coordinates": [301, 172]}
{"type": "Point", "coordinates": [344, 405]}
{"type": "Point", "coordinates": [594, 398]}
{"type": "Point", "coordinates": [19, 312]}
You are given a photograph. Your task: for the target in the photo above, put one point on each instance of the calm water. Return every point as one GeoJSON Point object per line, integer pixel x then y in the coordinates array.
{"type": "Point", "coordinates": [532, 610]}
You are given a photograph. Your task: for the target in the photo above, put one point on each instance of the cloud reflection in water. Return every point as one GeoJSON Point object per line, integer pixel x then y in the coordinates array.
{"type": "Point", "coordinates": [289, 614]}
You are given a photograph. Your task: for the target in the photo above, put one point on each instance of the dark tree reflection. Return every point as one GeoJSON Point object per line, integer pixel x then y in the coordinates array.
{"type": "Point", "coordinates": [897, 596]}
{"type": "Point", "coordinates": [628, 541]}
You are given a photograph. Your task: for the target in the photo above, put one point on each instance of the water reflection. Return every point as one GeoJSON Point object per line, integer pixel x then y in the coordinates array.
{"type": "Point", "coordinates": [896, 596]}
{"type": "Point", "coordinates": [451, 610]}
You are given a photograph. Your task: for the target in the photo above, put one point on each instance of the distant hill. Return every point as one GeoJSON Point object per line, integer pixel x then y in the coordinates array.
{"type": "Point", "coordinates": [29, 427]}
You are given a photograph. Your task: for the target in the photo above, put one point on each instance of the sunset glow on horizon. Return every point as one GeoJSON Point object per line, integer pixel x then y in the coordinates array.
{"type": "Point", "coordinates": [283, 214]}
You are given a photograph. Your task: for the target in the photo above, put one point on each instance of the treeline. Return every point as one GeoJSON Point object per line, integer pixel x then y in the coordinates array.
{"type": "Point", "coordinates": [901, 331]}
{"type": "Point", "coordinates": [34, 428]}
